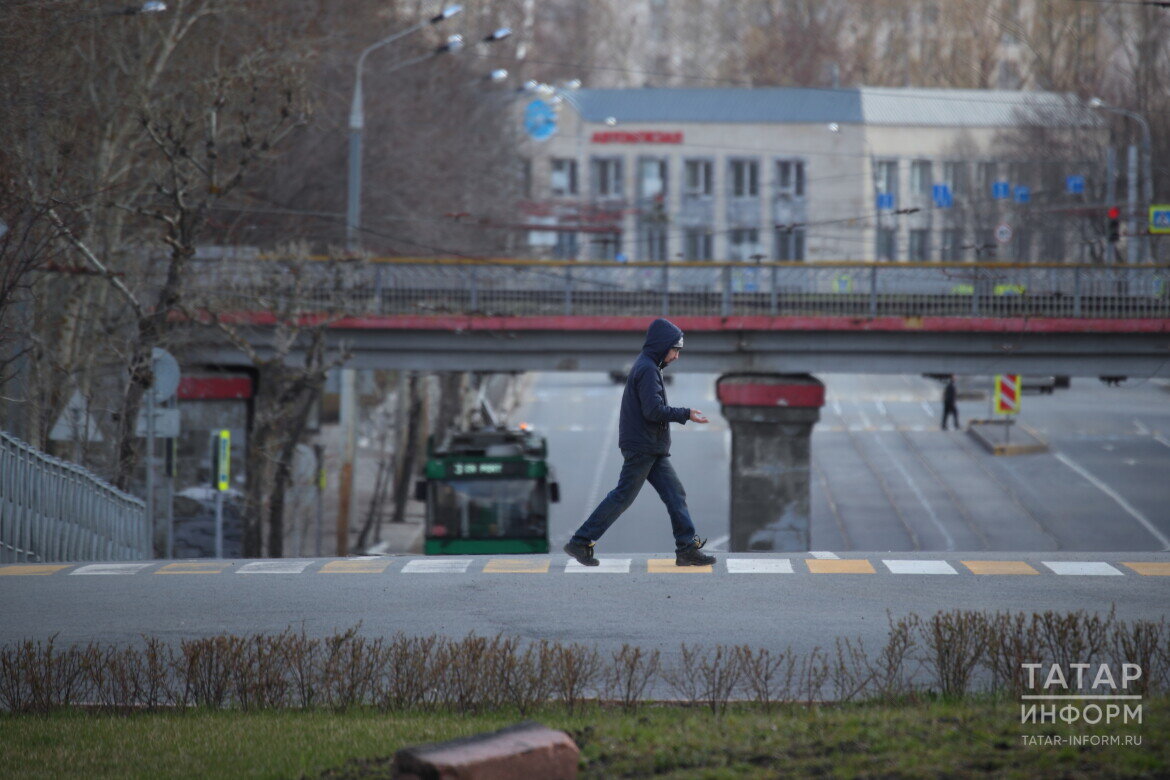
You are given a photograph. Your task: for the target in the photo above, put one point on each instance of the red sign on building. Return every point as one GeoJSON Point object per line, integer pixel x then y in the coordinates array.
{"type": "Point", "coordinates": [636, 137]}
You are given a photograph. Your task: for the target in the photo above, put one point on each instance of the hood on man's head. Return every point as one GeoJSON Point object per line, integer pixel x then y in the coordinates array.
{"type": "Point", "coordinates": [661, 337]}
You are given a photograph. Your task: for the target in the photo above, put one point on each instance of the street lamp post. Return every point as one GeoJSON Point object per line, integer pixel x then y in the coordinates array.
{"type": "Point", "coordinates": [1147, 166]}
{"type": "Point", "coordinates": [353, 213]}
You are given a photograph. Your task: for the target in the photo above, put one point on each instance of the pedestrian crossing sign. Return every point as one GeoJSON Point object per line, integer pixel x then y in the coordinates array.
{"type": "Point", "coordinates": [1160, 218]}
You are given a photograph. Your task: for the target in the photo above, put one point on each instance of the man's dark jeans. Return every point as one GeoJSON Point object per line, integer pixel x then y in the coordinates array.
{"type": "Point", "coordinates": [639, 468]}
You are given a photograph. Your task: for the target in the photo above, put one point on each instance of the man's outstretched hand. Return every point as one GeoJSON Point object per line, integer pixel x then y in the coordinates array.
{"type": "Point", "coordinates": [697, 416]}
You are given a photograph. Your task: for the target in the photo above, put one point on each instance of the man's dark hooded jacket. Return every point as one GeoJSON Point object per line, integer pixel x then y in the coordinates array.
{"type": "Point", "coordinates": [645, 418]}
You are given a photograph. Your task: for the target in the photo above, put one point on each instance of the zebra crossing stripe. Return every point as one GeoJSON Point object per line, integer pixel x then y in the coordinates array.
{"type": "Point", "coordinates": [516, 566]}
{"type": "Point", "coordinates": [999, 567]}
{"type": "Point", "coordinates": [841, 566]}
{"type": "Point", "coordinates": [1151, 568]}
{"type": "Point", "coordinates": [919, 567]}
{"type": "Point", "coordinates": [437, 566]}
{"type": "Point", "coordinates": [1084, 568]}
{"type": "Point", "coordinates": [31, 569]}
{"type": "Point", "coordinates": [604, 566]}
{"type": "Point", "coordinates": [111, 568]}
{"type": "Point", "coordinates": [274, 567]}
{"type": "Point", "coordinates": [759, 566]}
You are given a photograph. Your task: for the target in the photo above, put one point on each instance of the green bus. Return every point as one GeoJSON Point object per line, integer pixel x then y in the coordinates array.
{"type": "Point", "coordinates": [487, 491]}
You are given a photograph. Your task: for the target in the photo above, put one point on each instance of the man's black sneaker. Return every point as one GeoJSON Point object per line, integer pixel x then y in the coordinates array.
{"type": "Point", "coordinates": [582, 553]}
{"type": "Point", "coordinates": [691, 556]}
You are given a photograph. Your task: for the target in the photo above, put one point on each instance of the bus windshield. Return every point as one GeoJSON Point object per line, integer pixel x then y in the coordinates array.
{"type": "Point", "coordinates": [488, 508]}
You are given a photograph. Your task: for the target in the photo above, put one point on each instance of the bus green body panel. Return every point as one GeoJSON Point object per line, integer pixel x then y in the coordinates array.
{"type": "Point", "coordinates": [435, 546]}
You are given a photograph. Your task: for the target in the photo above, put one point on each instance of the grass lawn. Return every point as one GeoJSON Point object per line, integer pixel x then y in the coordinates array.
{"type": "Point", "coordinates": [915, 739]}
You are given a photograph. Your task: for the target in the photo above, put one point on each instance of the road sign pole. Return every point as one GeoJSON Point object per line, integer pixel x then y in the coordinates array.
{"type": "Point", "coordinates": [150, 465]}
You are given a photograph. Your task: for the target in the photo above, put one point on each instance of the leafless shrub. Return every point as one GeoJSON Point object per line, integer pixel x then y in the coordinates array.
{"type": "Point", "coordinates": [350, 669]}
{"type": "Point", "coordinates": [767, 677]}
{"type": "Point", "coordinates": [1074, 637]}
{"type": "Point", "coordinates": [1012, 641]}
{"type": "Point", "coordinates": [892, 678]}
{"type": "Point", "coordinates": [527, 677]}
{"type": "Point", "coordinates": [265, 680]}
{"type": "Point", "coordinates": [720, 671]}
{"type": "Point", "coordinates": [411, 665]}
{"type": "Point", "coordinates": [852, 672]}
{"type": "Point", "coordinates": [681, 677]}
{"type": "Point", "coordinates": [1147, 644]}
{"type": "Point", "coordinates": [211, 666]}
{"type": "Point", "coordinates": [633, 669]}
{"type": "Point", "coordinates": [574, 669]}
{"type": "Point", "coordinates": [954, 642]}
{"type": "Point", "coordinates": [814, 673]}
{"type": "Point", "coordinates": [300, 661]}
{"type": "Point", "coordinates": [36, 677]}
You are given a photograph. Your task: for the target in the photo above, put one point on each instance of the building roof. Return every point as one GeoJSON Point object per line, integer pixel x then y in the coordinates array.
{"type": "Point", "coordinates": [804, 105]}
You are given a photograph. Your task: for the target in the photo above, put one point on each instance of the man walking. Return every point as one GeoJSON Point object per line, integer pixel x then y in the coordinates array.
{"type": "Point", "coordinates": [949, 407]}
{"type": "Point", "coordinates": [644, 439]}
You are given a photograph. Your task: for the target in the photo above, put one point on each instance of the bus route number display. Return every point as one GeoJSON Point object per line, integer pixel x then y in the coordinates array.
{"type": "Point", "coordinates": [473, 468]}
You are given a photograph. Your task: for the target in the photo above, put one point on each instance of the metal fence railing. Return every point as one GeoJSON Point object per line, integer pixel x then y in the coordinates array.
{"type": "Point", "coordinates": [503, 287]}
{"type": "Point", "coordinates": [51, 510]}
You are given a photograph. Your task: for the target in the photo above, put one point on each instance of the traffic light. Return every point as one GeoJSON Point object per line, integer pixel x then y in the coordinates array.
{"type": "Point", "coordinates": [1114, 224]}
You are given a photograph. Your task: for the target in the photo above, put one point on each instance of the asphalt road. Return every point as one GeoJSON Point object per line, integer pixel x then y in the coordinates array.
{"type": "Point", "coordinates": [885, 477]}
{"type": "Point", "coordinates": [773, 601]}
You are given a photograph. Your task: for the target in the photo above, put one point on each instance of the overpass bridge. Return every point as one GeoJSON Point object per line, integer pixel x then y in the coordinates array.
{"type": "Point", "coordinates": [791, 318]}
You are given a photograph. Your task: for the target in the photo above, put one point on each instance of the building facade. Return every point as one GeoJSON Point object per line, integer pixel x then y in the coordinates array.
{"type": "Point", "coordinates": [795, 174]}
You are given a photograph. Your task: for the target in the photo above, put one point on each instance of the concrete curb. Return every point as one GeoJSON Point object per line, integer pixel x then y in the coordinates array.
{"type": "Point", "coordinates": [993, 434]}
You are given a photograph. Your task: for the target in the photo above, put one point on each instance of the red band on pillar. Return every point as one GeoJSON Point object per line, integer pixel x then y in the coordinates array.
{"type": "Point", "coordinates": [800, 396]}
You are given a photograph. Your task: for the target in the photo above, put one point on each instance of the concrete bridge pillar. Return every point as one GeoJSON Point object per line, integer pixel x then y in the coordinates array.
{"type": "Point", "coordinates": [771, 417]}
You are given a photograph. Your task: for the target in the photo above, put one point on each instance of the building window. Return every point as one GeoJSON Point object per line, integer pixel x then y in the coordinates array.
{"type": "Point", "coordinates": [955, 176]}
{"type": "Point", "coordinates": [745, 178]}
{"type": "Point", "coordinates": [789, 179]}
{"type": "Point", "coordinates": [607, 177]}
{"type": "Point", "coordinates": [697, 179]}
{"type": "Point", "coordinates": [605, 246]}
{"type": "Point", "coordinates": [921, 178]}
{"type": "Point", "coordinates": [887, 244]}
{"type": "Point", "coordinates": [697, 244]}
{"type": "Point", "coordinates": [524, 174]}
{"type": "Point", "coordinates": [951, 248]}
{"type": "Point", "coordinates": [919, 245]}
{"type": "Point", "coordinates": [652, 178]}
{"type": "Point", "coordinates": [566, 246]}
{"type": "Point", "coordinates": [744, 243]}
{"type": "Point", "coordinates": [652, 241]}
{"type": "Point", "coordinates": [886, 178]}
{"type": "Point", "coordinates": [985, 178]}
{"type": "Point", "coordinates": [789, 244]}
{"type": "Point", "coordinates": [563, 178]}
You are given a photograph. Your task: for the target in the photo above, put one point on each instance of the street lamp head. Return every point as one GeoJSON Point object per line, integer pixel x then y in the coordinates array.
{"type": "Point", "coordinates": [499, 74]}
{"type": "Point", "coordinates": [498, 35]}
{"type": "Point", "coordinates": [446, 13]}
{"type": "Point", "coordinates": [454, 43]}
{"type": "Point", "coordinates": [153, 7]}
{"type": "Point", "coordinates": [1096, 102]}
{"type": "Point", "coordinates": [573, 84]}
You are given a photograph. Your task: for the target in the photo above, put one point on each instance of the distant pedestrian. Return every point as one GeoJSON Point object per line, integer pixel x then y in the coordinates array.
{"type": "Point", "coordinates": [644, 440]}
{"type": "Point", "coordinates": [949, 407]}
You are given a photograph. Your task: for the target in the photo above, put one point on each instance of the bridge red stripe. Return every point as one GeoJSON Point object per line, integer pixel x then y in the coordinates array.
{"type": "Point", "coordinates": [758, 323]}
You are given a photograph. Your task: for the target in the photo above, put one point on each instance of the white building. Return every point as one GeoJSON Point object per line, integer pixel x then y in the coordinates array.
{"type": "Point", "coordinates": [805, 174]}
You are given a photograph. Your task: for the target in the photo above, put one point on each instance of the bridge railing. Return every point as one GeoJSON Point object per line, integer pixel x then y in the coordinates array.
{"type": "Point", "coordinates": [503, 287]}
{"type": "Point", "coordinates": [51, 510]}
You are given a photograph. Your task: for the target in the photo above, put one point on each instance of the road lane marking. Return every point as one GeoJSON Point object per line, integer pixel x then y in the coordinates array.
{"type": "Point", "coordinates": [919, 567]}
{"type": "Point", "coordinates": [668, 566]}
{"type": "Point", "coordinates": [34, 569]}
{"type": "Point", "coordinates": [938, 524]}
{"type": "Point", "coordinates": [592, 500]}
{"type": "Point", "coordinates": [759, 566]}
{"type": "Point", "coordinates": [111, 568]}
{"type": "Point", "coordinates": [999, 567]}
{"type": "Point", "coordinates": [516, 566]}
{"type": "Point", "coordinates": [1150, 568]}
{"type": "Point", "coordinates": [443, 566]}
{"type": "Point", "coordinates": [370, 566]}
{"type": "Point", "coordinates": [604, 566]}
{"type": "Point", "coordinates": [1083, 568]}
{"type": "Point", "coordinates": [1142, 519]}
{"type": "Point", "coordinates": [274, 567]}
{"type": "Point", "coordinates": [840, 566]}
{"type": "Point", "coordinates": [194, 567]}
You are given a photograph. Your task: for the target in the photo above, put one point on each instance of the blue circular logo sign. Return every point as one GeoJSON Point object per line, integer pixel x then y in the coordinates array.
{"type": "Point", "coordinates": [540, 120]}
